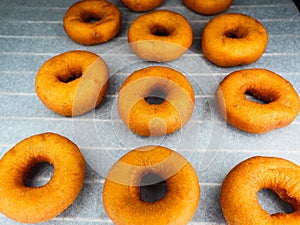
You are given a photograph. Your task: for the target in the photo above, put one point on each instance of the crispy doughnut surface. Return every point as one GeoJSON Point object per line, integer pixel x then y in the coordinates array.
{"type": "Point", "coordinates": [121, 192]}
{"type": "Point", "coordinates": [280, 100]}
{"type": "Point", "coordinates": [233, 39]}
{"type": "Point", "coordinates": [72, 83]}
{"type": "Point", "coordinates": [160, 36]}
{"type": "Point", "coordinates": [239, 199]}
{"type": "Point", "coordinates": [142, 5]}
{"type": "Point", "coordinates": [38, 204]}
{"type": "Point", "coordinates": [92, 22]}
{"type": "Point", "coordinates": [208, 7]}
{"type": "Point", "coordinates": [147, 119]}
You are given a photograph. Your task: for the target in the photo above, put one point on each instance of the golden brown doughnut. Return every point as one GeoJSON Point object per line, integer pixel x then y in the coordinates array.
{"type": "Point", "coordinates": [165, 117]}
{"type": "Point", "coordinates": [282, 101]}
{"type": "Point", "coordinates": [233, 39]}
{"type": "Point", "coordinates": [72, 83]}
{"type": "Point", "coordinates": [160, 36]}
{"type": "Point", "coordinates": [38, 204]}
{"type": "Point", "coordinates": [121, 192]}
{"type": "Point", "coordinates": [208, 7]}
{"type": "Point", "coordinates": [239, 191]}
{"type": "Point", "coordinates": [80, 28]}
{"type": "Point", "coordinates": [142, 5]}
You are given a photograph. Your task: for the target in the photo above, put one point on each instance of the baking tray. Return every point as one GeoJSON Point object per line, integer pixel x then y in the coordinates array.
{"type": "Point", "coordinates": [32, 31]}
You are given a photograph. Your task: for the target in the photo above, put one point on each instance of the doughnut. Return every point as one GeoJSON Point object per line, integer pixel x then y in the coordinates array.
{"type": "Point", "coordinates": [233, 39]}
{"type": "Point", "coordinates": [122, 188]}
{"type": "Point", "coordinates": [27, 204]}
{"type": "Point", "coordinates": [142, 5]}
{"type": "Point", "coordinates": [72, 83]}
{"type": "Point", "coordinates": [155, 101]}
{"type": "Point", "coordinates": [281, 100]}
{"type": "Point", "coordinates": [92, 22]}
{"type": "Point", "coordinates": [160, 36]}
{"type": "Point", "coordinates": [239, 190]}
{"type": "Point", "coordinates": [208, 7]}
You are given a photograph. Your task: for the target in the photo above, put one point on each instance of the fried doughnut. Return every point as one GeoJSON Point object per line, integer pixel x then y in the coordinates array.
{"type": "Point", "coordinates": [122, 192]}
{"type": "Point", "coordinates": [155, 101]}
{"type": "Point", "coordinates": [92, 22]}
{"type": "Point", "coordinates": [160, 36]}
{"type": "Point", "coordinates": [233, 39]}
{"type": "Point", "coordinates": [72, 83]}
{"type": "Point", "coordinates": [208, 7]}
{"type": "Point", "coordinates": [142, 5]}
{"type": "Point", "coordinates": [281, 100]}
{"type": "Point", "coordinates": [239, 191]}
{"type": "Point", "coordinates": [38, 204]}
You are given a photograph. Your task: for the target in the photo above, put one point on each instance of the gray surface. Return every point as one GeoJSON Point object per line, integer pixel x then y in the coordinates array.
{"type": "Point", "coordinates": [32, 32]}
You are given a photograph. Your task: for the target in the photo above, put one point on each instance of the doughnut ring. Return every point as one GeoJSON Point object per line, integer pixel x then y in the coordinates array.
{"type": "Point", "coordinates": [233, 39]}
{"type": "Point", "coordinates": [38, 204]}
{"type": "Point", "coordinates": [173, 109]}
{"type": "Point", "coordinates": [141, 5]}
{"type": "Point", "coordinates": [72, 83]}
{"type": "Point", "coordinates": [122, 192]}
{"type": "Point", "coordinates": [281, 100]}
{"type": "Point", "coordinates": [239, 191]}
{"type": "Point", "coordinates": [92, 22]}
{"type": "Point", "coordinates": [160, 36]}
{"type": "Point", "coordinates": [208, 7]}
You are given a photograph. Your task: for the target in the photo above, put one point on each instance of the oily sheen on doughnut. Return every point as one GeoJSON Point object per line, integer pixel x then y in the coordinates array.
{"type": "Point", "coordinates": [281, 100]}
{"type": "Point", "coordinates": [72, 83]}
{"type": "Point", "coordinates": [122, 192]}
{"type": "Point", "coordinates": [38, 204]}
{"type": "Point", "coordinates": [92, 22]}
{"type": "Point", "coordinates": [170, 113]}
{"type": "Point", "coordinates": [208, 7]}
{"type": "Point", "coordinates": [239, 200]}
{"type": "Point", "coordinates": [160, 36]}
{"type": "Point", "coordinates": [142, 5]}
{"type": "Point", "coordinates": [233, 39]}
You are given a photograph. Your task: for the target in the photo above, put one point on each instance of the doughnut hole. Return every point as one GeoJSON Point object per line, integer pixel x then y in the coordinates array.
{"type": "Point", "coordinates": [91, 19]}
{"type": "Point", "coordinates": [38, 175]}
{"type": "Point", "coordinates": [156, 97]}
{"type": "Point", "coordinates": [153, 188]}
{"type": "Point", "coordinates": [272, 203]}
{"type": "Point", "coordinates": [253, 98]}
{"type": "Point", "coordinates": [160, 31]}
{"type": "Point", "coordinates": [236, 33]}
{"type": "Point", "coordinates": [261, 95]}
{"type": "Point", "coordinates": [71, 76]}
